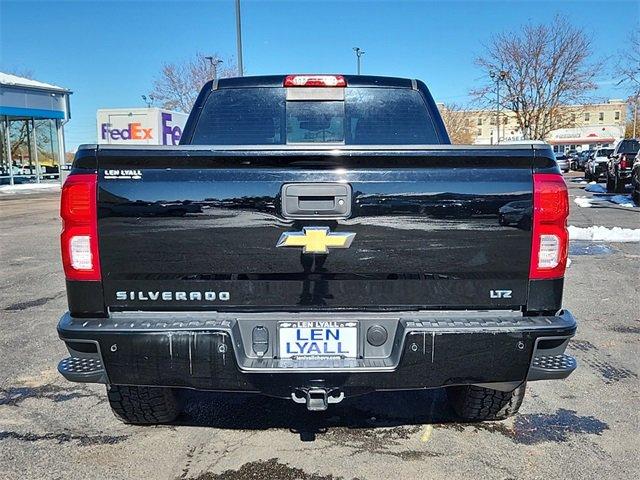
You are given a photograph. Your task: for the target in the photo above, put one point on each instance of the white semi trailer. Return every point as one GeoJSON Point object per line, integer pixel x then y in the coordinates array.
{"type": "Point", "coordinates": [140, 126]}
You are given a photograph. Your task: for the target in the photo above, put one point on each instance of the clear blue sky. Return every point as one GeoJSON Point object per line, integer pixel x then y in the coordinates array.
{"type": "Point", "coordinates": [109, 52]}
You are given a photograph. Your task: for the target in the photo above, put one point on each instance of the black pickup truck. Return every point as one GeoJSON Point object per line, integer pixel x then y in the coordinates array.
{"type": "Point", "coordinates": [315, 237]}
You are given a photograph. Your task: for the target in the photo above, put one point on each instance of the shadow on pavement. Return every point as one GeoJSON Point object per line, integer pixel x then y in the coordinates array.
{"type": "Point", "coordinates": [258, 412]}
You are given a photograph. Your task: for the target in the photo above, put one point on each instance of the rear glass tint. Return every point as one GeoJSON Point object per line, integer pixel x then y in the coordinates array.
{"type": "Point", "coordinates": [315, 122]}
{"type": "Point", "coordinates": [367, 116]}
{"type": "Point", "coordinates": [629, 146]}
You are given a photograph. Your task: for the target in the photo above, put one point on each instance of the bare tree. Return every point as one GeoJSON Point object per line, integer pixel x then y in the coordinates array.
{"type": "Point", "coordinates": [458, 123]}
{"type": "Point", "coordinates": [178, 84]}
{"type": "Point", "coordinates": [628, 68]}
{"type": "Point", "coordinates": [547, 67]}
{"type": "Point", "coordinates": [20, 72]}
{"type": "Point", "coordinates": [628, 72]}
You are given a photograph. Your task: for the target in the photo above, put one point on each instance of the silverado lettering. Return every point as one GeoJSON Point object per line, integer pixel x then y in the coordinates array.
{"type": "Point", "coordinates": [314, 244]}
{"type": "Point", "coordinates": [169, 296]}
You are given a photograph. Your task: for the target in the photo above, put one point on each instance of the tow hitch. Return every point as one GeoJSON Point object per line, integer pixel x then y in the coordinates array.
{"type": "Point", "coordinates": [317, 399]}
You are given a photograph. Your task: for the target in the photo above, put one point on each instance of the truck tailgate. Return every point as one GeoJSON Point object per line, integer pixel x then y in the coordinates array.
{"type": "Point", "coordinates": [197, 229]}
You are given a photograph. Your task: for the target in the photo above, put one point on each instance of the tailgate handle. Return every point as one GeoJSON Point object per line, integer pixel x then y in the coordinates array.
{"type": "Point", "coordinates": [316, 200]}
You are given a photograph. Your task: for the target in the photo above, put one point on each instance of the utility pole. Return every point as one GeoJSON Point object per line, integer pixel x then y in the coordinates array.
{"type": "Point", "coordinates": [635, 114]}
{"type": "Point", "coordinates": [239, 39]}
{"type": "Point", "coordinates": [214, 62]}
{"type": "Point", "coordinates": [501, 76]}
{"type": "Point", "coordinates": [359, 53]}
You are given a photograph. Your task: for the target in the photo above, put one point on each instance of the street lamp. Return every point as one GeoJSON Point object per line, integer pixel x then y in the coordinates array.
{"type": "Point", "coordinates": [148, 100]}
{"type": "Point", "coordinates": [359, 53]}
{"type": "Point", "coordinates": [498, 77]}
{"type": "Point", "coordinates": [214, 62]}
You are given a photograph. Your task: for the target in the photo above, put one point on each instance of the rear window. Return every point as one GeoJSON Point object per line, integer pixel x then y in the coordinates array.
{"type": "Point", "coordinates": [263, 116]}
{"type": "Point", "coordinates": [629, 146]}
{"type": "Point", "coordinates": [605, 152]}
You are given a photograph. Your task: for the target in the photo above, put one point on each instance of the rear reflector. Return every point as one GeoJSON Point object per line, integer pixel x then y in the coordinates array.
{"type": "Point", "coordinates": [79, 238]}
{"type": "Point", "coordinates": [315, 81]}
{"type": "Point", "coordinates": [549, 245]}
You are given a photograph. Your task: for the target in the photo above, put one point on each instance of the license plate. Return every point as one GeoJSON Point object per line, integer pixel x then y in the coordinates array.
{"type": "Point", "coordinates": [318, 339]}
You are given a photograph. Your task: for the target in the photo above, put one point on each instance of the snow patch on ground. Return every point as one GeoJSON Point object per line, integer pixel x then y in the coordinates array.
{"type": "Point", "coordinates": [28, 187]}
{"type": "Point", "coordinates": [604, 234]}
{"type": "Point", "coordinates": [595, 188]}
{"type": "Point", "coordinates": [622, 200]}
{"type": "Point", "coordinates": [584, 202]}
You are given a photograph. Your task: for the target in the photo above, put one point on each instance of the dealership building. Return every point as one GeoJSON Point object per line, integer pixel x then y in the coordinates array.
{"type": "Point", "coordinates": [32, 119]}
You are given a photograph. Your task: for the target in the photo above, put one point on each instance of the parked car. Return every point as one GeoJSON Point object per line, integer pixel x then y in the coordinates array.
{"type": "Point", "coordinates": [563, 162]}
{"type": "Point", "coordinates": [275, 297]}
{"type": "Point", "coordinates": [582, 159]}
{"type": "Point", "coordinates": [572, 156]}
{"type": "Point", "coordinates": [597, 165]}
{"type": "Point", "coordinates": [635, 180]}
{"type": "Point", "coordinates": [620, 164]}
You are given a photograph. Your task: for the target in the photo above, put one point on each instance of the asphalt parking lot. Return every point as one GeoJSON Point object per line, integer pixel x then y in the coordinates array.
{"type": "Point", "coordinates": [585, 427]}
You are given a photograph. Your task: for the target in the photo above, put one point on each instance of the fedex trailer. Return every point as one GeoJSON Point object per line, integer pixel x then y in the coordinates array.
{"type": "Point", "coordinates": [140, 126]}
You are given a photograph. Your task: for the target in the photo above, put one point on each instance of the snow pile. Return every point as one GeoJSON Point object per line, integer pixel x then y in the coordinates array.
{"type": "Point", "coordinates": [595, 188]}
{"type": "Point", "coordinates": [28, 187]}
{"type": "Point", "coordinates": [604, 234]}
{"type": "Point", "coordinates": [584, 202]}
{"type": "Point", "coordinates": [622, 200]}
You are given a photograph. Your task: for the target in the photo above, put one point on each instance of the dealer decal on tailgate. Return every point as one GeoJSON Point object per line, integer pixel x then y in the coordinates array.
{"type": "Point", "coordinates": [318, 339]}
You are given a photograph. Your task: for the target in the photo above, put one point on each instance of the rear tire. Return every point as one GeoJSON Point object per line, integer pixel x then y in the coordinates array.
{"type": "Point", "coordinates": [478, 403]}
{"type": "Point", "coordinates": [143, 405]}
{"type": "Point", "coordinates": [610, 184]}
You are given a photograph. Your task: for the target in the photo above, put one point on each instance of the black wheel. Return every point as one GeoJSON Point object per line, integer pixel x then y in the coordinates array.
{"type": "Point", "coordinates": [143, 405]}
{"type": "Point", "coordinates": [479, 403]}
{"type": "Point", "coordinates": [635, 195]}
{"type": "Point", "coordinates": [587, 175]}
{"type": "Point", "coordinates": [618, 185]}
{"type": "Point", "coordinates": [610, 184]}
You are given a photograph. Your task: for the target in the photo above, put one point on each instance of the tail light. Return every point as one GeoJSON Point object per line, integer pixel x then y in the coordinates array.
{"type": "Point", "coordinates": [549, 245]}
{"type": "Point", "coordinates": [623, 162]}
{"type": "Point", "coordinates": [79, 238]}
{"type": "Point", "coordinates": [315, 81]}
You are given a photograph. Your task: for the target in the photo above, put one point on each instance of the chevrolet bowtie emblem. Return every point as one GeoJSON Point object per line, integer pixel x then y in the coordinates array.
{"type": "Point", "coordinates": [316, 239]}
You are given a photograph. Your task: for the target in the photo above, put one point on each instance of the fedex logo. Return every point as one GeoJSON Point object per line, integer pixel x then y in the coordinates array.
{"type": "Point", "coordinates": [134, 131]}
{"type": "Point", "coordinates": [170, 133]}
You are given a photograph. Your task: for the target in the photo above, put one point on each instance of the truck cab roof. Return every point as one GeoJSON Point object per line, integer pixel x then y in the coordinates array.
{"type": "Point", "coordinates": [278, 81]}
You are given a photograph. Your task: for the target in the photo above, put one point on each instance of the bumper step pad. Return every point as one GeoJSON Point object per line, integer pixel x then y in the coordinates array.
{"type": "Point", "coordinates": [87, 370]}
{"type": "Point", "coordinates": [548, 367]}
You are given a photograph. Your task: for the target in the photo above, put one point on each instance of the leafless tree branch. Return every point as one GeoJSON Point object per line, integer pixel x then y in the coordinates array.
{"type": "Point", "coordinates": [178, 84]}
{"type": "Point", "coordinates": [548, 67]}
{"type": "Point", "coordinates": [458, 123]}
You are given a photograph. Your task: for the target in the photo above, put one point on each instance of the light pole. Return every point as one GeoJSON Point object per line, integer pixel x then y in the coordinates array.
{"type": "Point", "coordinates": [148, 100]}
{"type": "Point", "coordinates": [359, 53]}
{"type": "Point", "coordinates": [500, 76]}
{"type": "Point", "coordinates": [214, 65]}
{"type": "Point", "coordinates": [635, 113]}
{"type": "Point", "coordinates": [239, 39]}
